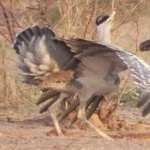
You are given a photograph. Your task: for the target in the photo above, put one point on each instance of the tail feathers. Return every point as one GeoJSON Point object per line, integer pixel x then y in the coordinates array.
{"type": "Point", "coordinates": [143, 98]}
{"type": "Point", "coordinates": [41, 54]}
{"type": "Point", "coordinates": [144, 101]}
{"type": "Point", "coordinates": [146, 109]}
{"type": "Point", "coordinates": [28, 34]}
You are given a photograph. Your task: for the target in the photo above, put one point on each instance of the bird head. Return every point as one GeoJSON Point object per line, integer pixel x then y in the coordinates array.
{"type": "Point", "coordinates": [103, 27]}
{"type": "Point", "coordinates": [105, 19]}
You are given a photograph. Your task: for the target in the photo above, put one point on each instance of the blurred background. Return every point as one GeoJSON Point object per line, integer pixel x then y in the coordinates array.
{"type": "Point", "coordinates": [68, 18]}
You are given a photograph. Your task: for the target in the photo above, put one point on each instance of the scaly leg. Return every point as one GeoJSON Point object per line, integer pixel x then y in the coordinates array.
{"type": "Point", "coordinates": [88, 103]}
{"type": "Point", "coordinates": [56, 124]}
{"type": "Point", "coordinates": [46, 95]}
{"type": "Point", "coordinates": [51, 101]}
{"type": "Point", "coordinates": [72, 107]}
{"type": "Point", "coordinates": [81, 115]}
{"type": "Point", "coordinates": [53, 112]}
{"type": "Point", "coordinates": [93, 106]}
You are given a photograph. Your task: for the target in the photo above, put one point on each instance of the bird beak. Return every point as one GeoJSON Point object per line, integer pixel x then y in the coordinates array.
{"type": "Point", "coordinates": [112, 15]}
{"type": "Point", "coordinates": [145, 46]}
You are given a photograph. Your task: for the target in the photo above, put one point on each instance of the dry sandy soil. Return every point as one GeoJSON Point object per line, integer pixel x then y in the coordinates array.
{"type": "Point", "coordinates": [26, 129]}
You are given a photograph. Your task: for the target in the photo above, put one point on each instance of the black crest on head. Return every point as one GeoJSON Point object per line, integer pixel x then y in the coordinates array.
{"type": "Point", "coordinates": [101, 19]}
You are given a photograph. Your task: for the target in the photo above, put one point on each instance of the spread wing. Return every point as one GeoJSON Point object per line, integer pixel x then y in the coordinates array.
{"type": "Point", "coordinates": [121, 60]}
{"type": "Point", "coordinates": [41, 54]}
{"type": "Point", "coordinates": [85, 48]}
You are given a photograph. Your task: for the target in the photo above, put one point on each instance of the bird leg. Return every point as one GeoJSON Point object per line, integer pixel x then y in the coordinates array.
{"type": "Point", "coordinates": [46, 95]}
{"type": "Point", "coordinates": [53, 113]}
{"type": "Point", "coordinates": [81, 115]}
{"type": "Point", "coordinates": [72, 107]}
{"type": "Point", "coordinates": [89, 102]}
{"type": "Point", "coordinates": [56, 124]}
{"type": "Point", "coordinates": [52, 96]}
{"type": "Point", "coordinates": [95, 103]}
{"type": "Point", "coordinates": [46, 106]}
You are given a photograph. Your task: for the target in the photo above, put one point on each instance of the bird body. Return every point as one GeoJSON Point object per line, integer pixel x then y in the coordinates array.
{"type": "Point", "coordinates": [57, 80]}
{"type": "Point", "coordinates": [42, 63]}
{"type": "Point", "coordinates": [41, 66]}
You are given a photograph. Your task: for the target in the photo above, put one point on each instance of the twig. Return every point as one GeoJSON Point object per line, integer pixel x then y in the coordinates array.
{"type": "Point", "coordinates": [4, 72]}
{"type": "Point", "coordinates": [66, 14]}
{"type": "Point", "coordinates": [120, 34]}
{"type": "Point", "coordinates": [113, 5]}
{"type": "Point", "coordinates": [5, 37]}
{"type": "Point", "coordinates": [137, 35]}
{"type": "Point", "coordinates": [126, 82]}
{"type": "Point", "coordinates": [93, 10]}
{"type": "Point", "coordinates": [7, 22]}
{"type": "Point", "coordinates": [125, 18]}
{"type": "Point", "coordinates": [15, 20]}
{"type": "Point", "coordinates": [81, 12]}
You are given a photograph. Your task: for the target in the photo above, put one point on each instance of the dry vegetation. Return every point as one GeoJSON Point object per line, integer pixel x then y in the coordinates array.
{"type": "Point", "coordinates": [69, 18]}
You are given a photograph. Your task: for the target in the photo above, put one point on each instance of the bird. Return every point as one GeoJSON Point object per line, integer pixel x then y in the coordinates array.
{"type": "Point", "coordinates": [76, 67]}
{"type": "Point", "coordinates": [92, 68]}
{"type": "Point", "coordinates": [104, 24]}
{"type": "Point", "coordinates": [103, 35]}
{"type": "Point", "coordinates": [26, 37]}
{"type": "Point", "coordinates": [40, 65]}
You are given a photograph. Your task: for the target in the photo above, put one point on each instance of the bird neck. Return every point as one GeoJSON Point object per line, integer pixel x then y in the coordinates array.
{"type": "Point", "coordinates": [104, 34]}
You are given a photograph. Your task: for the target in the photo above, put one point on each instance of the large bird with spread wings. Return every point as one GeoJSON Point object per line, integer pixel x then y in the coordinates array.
{"type": "Point", "coordinates": [77, 67]}
{"type": "Point", "coordinates": [102, 34]}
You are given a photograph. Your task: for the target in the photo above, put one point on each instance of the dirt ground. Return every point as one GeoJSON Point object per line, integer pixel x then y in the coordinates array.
{"type": "Point", "coordinates": [26, 129]}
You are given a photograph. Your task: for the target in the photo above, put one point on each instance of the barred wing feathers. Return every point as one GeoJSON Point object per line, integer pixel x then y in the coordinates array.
{"type": "Point", "coordinates": [140, 71]}
{"type": "Point", "coordinates": [121, 60]}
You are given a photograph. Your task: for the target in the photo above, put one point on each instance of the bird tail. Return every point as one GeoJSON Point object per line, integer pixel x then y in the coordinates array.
{"type": "Point", "coordinates": [40, 53]}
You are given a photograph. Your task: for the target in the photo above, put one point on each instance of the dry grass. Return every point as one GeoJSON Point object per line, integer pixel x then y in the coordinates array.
{"type": "Point", "coordinates": [71, 18]}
